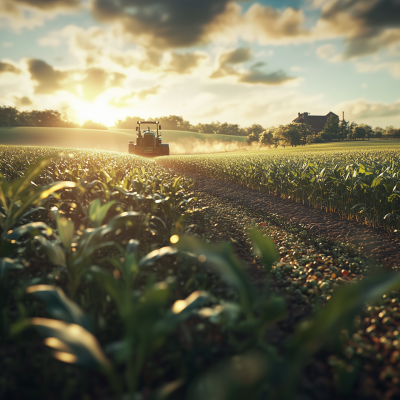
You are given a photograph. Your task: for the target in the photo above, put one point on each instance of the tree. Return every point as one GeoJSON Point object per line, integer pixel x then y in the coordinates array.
{"type": "Point", "coordinates": [343, 129]}
{"type": "Point", "coordinates": [8, 116]}
{"type": "Point", "coordinates": [305, 131]}
{"type": "Point", "coordinates": [288, 134]}
{"type": "Point", "coordinates": [359, 132]}
{"type": "Point", "coordinates": [253, 137]}
{"type": "Point", "coordinates": [267, 137]}
{"type": "Point", "coordinates": [367, 130]}
{"type": "Point", "coordinates": [378, 131]}
{"type": "Point", "coordinates": [331, 128]}
{"type": "Point", "coordinates": [255, 128]}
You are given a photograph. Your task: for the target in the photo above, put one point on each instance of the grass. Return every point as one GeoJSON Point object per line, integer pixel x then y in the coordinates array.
{"type": "Point", "coordinates": [113, 139]}
{"type": "Point", "coordinates": [99, 280]}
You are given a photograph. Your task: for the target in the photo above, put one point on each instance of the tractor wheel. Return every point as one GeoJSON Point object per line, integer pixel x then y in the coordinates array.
{"type": "Point", "coordinates": [165, 149]}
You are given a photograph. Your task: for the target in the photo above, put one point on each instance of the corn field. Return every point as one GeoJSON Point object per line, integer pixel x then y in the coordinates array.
{"type": "Point", "coordinates": [104, 295]}
{"type": "Point", "coordinates": [363, 185]}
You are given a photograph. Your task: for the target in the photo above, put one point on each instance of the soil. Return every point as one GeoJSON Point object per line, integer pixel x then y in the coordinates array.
{"type": "Point", "coordinates": [374, 242]}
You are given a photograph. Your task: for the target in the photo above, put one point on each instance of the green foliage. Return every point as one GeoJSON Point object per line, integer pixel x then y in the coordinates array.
{"type": "Point", "coordinates": [266, 138]}
{"type": "Point", "coordinates": [119, 302]}
{"type": "Point", "coordinates": [335, 181]}
{"type": "Point", "coordinates": [331, 129]}
{"type": "Point", "coordinates": [288, 135]}
{"type": "Point", "coordinates": [10, 116]}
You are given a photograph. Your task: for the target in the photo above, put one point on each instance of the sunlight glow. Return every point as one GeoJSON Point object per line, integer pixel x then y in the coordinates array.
{"type": "Point", "coordinates": [65, 357]}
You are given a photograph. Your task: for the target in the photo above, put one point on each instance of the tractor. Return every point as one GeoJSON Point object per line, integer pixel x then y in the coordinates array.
{"type": "Point", "coordinates": [148, 143]}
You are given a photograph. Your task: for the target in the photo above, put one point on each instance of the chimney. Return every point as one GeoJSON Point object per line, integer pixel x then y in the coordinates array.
{"type": "Point", "coordinates": [343, 115]}
{"type": "Point", "coordinates": [298, 114]}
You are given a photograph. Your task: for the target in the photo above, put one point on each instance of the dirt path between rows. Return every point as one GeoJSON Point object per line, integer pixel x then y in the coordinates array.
{"type": "Point", "coordinates": [374, 242]}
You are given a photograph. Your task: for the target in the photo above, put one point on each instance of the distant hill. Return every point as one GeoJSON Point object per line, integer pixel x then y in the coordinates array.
{"type": "Point", "coordinates": [181, 142]}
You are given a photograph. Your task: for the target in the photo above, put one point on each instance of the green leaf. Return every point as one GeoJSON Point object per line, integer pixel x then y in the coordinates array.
{"type": "Point", "coordinates": [6, 264]}
{"type": "Point", "coordinates": [97, 212]}
{"type": "Point", "coordinates": [153, 256]}
{"type": "Point", "coordinates": [58, 305]}
{"type": "Point", "coordinates": [33, 171]}
{"type": "Point", "coordinates": [112, 287]}
{"type": "Point", "coordinates": [71, 343]}
{"type": "Point", "coordinates": [65, 229]}
{"type": "Point", "coordinates": [24, 229]}
{"type": "Point", "coordinates": [265, 247]}
{"type": "Point", "coordinates": [376, 182]}
{"type": "Point", "coordinates": [225, 263]}
{"type": "Point", "coordinates": [54, 252]}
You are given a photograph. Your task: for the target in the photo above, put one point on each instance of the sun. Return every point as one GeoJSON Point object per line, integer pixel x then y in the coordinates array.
{"type": "Point", "coordinates": [97, 111]}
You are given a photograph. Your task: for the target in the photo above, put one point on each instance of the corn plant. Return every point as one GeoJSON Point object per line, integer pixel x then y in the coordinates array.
{"type": "Point", "coordinates": [363, 185]}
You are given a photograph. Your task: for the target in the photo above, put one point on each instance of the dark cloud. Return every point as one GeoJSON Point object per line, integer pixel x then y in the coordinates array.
{"type": "Point", "coordinates": [163, 23]}
{"type": "Point", "coordinates": [22, 101]}
{"type": "Point", "coordinates": [367, 25]}
{"type": "Point", "coordinates": [49, 4]}
{"type": "Point", "coordinates": [49, 80]}
{"type": "Point", "coordinates": [5, 67]}
{"type": "Point", "coordinates": [184, 63]}
{"type": "Point", "coordinates": [254, 75]}
{"type": "Point", "coordinates": [236, 56]}
{"type": "Point", "coordinates": [92, 81]}
{"type": "Point", "coordinates": [266, 78]}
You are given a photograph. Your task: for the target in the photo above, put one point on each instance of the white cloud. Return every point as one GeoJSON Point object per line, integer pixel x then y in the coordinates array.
{"type": "Point", "coordinates": [366, 111]}
{"type": "Point", "coordinates": [393, 67]}
{"type": "Point", "coordinates": [328, 52]}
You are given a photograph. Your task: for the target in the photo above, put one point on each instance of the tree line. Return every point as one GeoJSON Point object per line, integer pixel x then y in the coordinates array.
{"type": "Point", "coordinates": [177, 123]}
{"type": "Point", "coordinates": [10, 116]}
{"type": "Point", "coordinates": [295, 134]}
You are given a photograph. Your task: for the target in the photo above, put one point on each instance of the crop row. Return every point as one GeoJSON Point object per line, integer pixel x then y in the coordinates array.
{"type": "Point", "coordinates": [357, 184]}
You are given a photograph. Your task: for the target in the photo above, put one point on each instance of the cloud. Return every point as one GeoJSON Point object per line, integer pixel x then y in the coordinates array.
{"type": "Point", "coordinates": [184, 63]}
{"type": "Point", "coordinates": [49, 4]}
{"type": "Point", "coordinates": [266, 78]}
{"type": "Point", "coordinates": [22, 101]}
{"type": "Point", "coordinates": [268, 25]}
{"type": "Point", "coordinates": [88, 83]}
{"type": "Point", "coordinates": [31, 13]}
{"type": "Point", "coordinates": [254, 75]}
{"type": "Point", "coordinates": [329, 52]}
{"type": "Point", "coordinates": [367, 25]}
{"type": "Point", "coordinates": [126, 101]}
{"type": "Point", "coordinates": [362, 109]}
{"type": "Point", "coordinates": [147, 92]}
{"type": "Point", "coordinates": [393, 67]}
{"type": "Point", "coordinates": [226, 60]}
{"type": "Point", "coordinates": [6, 67]}
{"type": "Point", "coordinates": [49, 80]}
{"type": "Point", "coordinates": [163, 23]}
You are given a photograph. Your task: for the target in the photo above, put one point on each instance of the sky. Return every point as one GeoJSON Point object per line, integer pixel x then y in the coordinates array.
{"type": "Point", "coordinates": [240, 62]}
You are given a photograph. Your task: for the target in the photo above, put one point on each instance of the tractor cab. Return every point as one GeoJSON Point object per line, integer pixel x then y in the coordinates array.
{"type": "Point", "coordinates": [148, 142]}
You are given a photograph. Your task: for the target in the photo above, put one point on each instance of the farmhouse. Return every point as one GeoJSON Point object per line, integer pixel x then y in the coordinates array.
{"type": "Point", "coordinates": [317, 122]}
